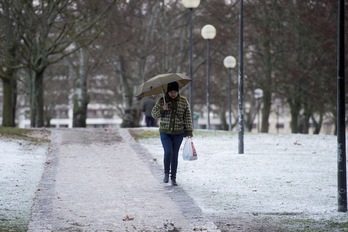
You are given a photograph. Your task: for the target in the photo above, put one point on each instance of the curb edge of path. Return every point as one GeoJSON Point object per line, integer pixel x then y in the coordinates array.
{"type": "Point", "coordinates": [42, 207]}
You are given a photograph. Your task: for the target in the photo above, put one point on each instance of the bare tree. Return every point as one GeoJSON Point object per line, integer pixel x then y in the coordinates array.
{"type": "Point", "coordinates": [142, 40]}
{"type": "Point", "coordinates": [284, 44]}
{"type": "Point", "coordinates": [10, 40]}
{"type": "Point", "coordinates": [284, 39]}
{"type": "Point", "coordinates": [306, 66]}
{"type": "Point", "coordinates": [51, 31]}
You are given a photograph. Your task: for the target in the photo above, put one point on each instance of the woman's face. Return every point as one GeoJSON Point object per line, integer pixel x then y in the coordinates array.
{"type": "Point", "coordinates": [173, 94]}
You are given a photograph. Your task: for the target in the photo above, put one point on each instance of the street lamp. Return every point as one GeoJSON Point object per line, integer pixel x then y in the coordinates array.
{"type": "Point", "coordinates": [230, 63]}
{"type": "Point", "coordinates": [241, 83]}
{"type": "Point", "coordinates": [191, 4]}
{"type": "Point", "coordinates": [208, 33]}
{"type": "Point", "coordinates": [341, 112]}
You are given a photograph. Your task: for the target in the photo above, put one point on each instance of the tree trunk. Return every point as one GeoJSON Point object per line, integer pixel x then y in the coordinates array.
{"type": "Point", "coordinates": [306, 124]}
{"type": "Point", "coordinates": [224, 124]}
{"type": "Point", "coordinates": [48, 116]}
{"type": "Point", "coordinates": [252, 113]}
{"type": "Point", "coordinates": [37, 99]}
{"type": "Point", "coordinates": [9, 86]}
{"type": "Point", "coordinates": [295, 112]}
{"type": "Point", "coordinates": [39, 93]}
{"type": "Point", "coordinates": [306, 117]}
{"type": "Point", "coordinates": [80, 111]}
{"type": "Point", "coordinates": [267, 90]}
{"type": "Point", "coordinates": [81, 98]}
{"type": "Point", "coordinates": [33, 105]}
{"type": "Point", "coordinates": [132, 113]}
{"type": "Point", "coordinates": [9, 81]}
{"type": "Point", "coordinates": [266, 110]}
{"type": "Point", "coordinates": [317, 124]}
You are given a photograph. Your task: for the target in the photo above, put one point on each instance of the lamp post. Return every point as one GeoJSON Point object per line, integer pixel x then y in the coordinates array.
{"type": "Point", "coordinates": [230, 63]}
{"type": "Point", "coordinates": [208, 33]}
{"type": "Point", "coordinates": [341, 113]}
{"type": "Point", "coordinates": [240, 84]}
{"type": "Point", "coordinates": [191, 4]}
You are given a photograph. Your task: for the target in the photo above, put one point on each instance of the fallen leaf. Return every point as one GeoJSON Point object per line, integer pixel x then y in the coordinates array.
{"type": "Point", "coordinates": [128, 218]}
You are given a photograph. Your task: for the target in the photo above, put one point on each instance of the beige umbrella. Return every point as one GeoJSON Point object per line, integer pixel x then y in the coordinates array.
{"type": "Point", "coordinates": [158, 84]}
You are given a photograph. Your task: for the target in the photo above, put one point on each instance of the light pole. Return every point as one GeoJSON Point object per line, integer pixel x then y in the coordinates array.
{"type": "Point", "coordinates": [240, 84]}
{"type": "Point", "coordinates": [341, 113]}
{"type": "Point", "coordinates": [191, 4]}
{"type": "Point", "coordinates": [230, 63]}
{"type": "Point", "coordinates": [208, 33]}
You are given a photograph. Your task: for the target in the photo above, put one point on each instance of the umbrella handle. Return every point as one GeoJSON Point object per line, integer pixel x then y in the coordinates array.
{"type": "Point", "coordinates": [164, 96]}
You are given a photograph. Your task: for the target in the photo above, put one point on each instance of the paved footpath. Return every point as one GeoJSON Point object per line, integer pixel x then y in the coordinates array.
{"type": "Point", "coordinates": [102, 180]}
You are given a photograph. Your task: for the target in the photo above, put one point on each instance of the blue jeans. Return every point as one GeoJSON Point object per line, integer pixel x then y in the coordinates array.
{"type": "Point", "coordinates": [171, 145]}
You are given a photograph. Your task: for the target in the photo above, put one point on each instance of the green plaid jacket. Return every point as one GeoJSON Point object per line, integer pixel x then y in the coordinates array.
{"type": "Point", "coordinates": [176, 120]}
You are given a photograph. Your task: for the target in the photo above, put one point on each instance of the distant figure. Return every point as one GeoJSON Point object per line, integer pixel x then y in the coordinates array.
{"type": "Point", "coordinates": [148, 104]}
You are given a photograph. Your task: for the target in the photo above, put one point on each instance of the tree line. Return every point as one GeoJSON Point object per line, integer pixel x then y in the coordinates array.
{"type": "Point", "coordinates": [56, 51]}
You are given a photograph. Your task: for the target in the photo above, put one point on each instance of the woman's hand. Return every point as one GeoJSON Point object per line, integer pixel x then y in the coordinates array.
{"type": "Point", "coordinates": [165, 106]}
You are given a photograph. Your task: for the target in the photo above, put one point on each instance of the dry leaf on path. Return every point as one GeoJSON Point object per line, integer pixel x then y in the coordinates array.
{"type": "Point", "coordinates": [128, 218]}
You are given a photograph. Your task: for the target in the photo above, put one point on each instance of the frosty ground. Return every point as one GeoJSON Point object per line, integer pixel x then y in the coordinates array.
{"type": "Point", "coordinates": [21, 168]}
{"type": "Point", "coordinates": [283, 179]}
{"type": "Point", "coordinates": [280, 183]}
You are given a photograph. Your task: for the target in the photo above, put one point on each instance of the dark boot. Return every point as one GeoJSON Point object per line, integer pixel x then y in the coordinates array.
{"type": "Point", "coordinates": [174, 182]}
{"type": "Point", "coordinates": [166, 178]}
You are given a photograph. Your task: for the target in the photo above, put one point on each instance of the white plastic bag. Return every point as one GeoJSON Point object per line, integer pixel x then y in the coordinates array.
{"type": "Point", "coordinates": [189, 151]}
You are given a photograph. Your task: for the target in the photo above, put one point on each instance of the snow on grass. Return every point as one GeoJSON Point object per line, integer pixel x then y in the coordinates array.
{"type": "Point", "coordinates": [278, 174]}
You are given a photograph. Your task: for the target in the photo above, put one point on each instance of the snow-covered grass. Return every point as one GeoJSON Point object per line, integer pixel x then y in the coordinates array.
{"type": "Point", "coordinates": [22, 154]}
{"type": "Point", "coordinates": [278, 174]}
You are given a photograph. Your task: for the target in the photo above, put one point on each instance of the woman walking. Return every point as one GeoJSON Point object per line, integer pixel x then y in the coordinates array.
{"type": "Point", "coordinates": [174, 113]}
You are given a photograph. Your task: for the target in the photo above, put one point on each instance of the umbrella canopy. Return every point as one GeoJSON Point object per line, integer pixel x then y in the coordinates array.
{"type": "Point", "coordinates": [158, 84]}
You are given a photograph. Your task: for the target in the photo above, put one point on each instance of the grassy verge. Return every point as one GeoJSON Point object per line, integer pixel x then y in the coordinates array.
{"type": "Point", "coordinates": [309, 225]}
{"type": "Point", "coordinates": [13, 216]}
{"type": "Point", "coordinates": [10, 226]}
{"type": "Point", "coordinates": [144, 133]}
{"type": "Point", "coordinates": [32, 135]}
{"type": "Point", "coordinates": [138, 133]}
